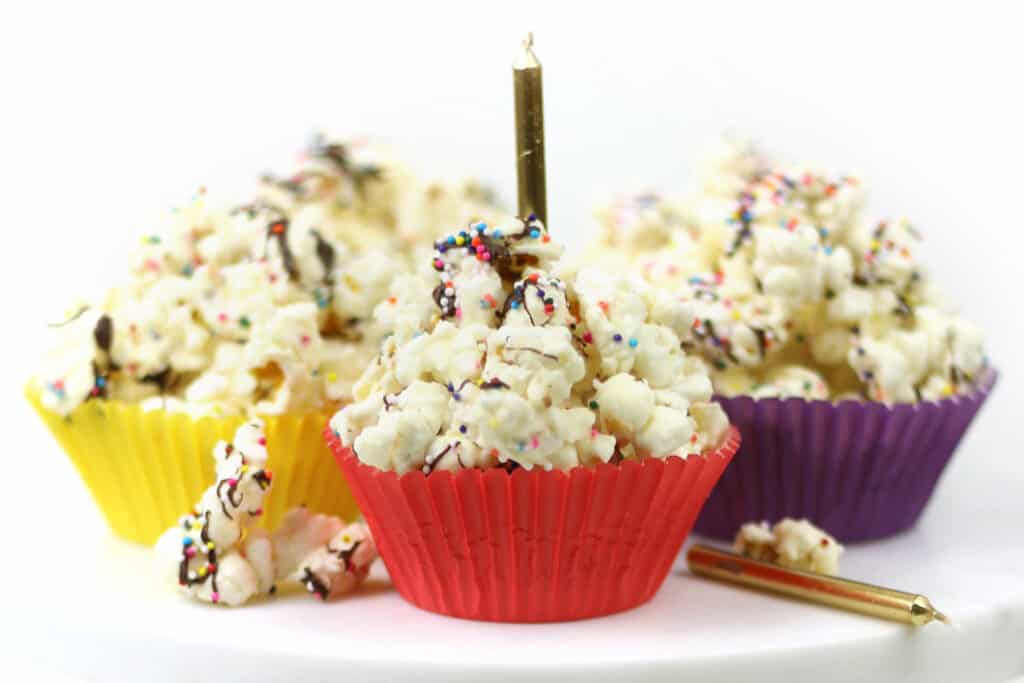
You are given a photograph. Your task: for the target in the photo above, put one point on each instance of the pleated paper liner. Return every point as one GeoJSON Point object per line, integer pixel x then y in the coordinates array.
{"type": "Point", "coordinates": [145, 469]}
{"type": "Point", "coordinates": [859, 470]}
{"type": "Point", "coordinates": [533, 546]}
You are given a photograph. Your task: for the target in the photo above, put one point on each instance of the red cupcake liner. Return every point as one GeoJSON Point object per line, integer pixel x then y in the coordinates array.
{"type": "Point", "coordinates": [530, 545]}
{"type": "Point", "coordinates": [859, 470]}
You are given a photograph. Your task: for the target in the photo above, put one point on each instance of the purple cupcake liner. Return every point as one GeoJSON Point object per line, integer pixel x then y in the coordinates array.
{"type": "Point", "coordinates": [859, 470]}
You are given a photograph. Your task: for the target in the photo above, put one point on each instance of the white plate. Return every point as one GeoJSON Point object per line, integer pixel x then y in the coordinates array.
{"type": "Point", "coordinates": [89, 606]}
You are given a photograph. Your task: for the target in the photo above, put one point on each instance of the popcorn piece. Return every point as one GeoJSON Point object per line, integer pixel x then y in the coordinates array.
{"type": "Point", "coordinates": [300, 533]}
{"type": "Point", "coordinates": [790, 543]}
{"type": "Point", "coordinates": [405, 426]}
{"type": "Point", "coordinates": [790, 381]}
{"type": "Point", "coordinates": [212, 562]}
{"type": "Point", "coordinates": [340, 565]}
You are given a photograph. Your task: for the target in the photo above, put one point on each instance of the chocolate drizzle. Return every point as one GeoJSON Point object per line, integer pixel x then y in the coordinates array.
{"type": "Point", "coordinates": [455, 391]}
{"type": "Point", "coordinates": [103, 333]}
{"type": "Point", "coordinates": [104, 365]}
{"type": "Point", "coordinates": [335, 155]}
{"type": "Point", "coordinates": [444, 301]}
{"type": "Point", "coordinates": [762, 343]}
{"type": "Point", "coordinates": [325, 252]}
{"type": "Point", "coordinates": [509, 266]}
{"type": "Point", "coordinates": [338, 156]}
{"type": "Point", "coordinates": [530, 350]}
{"type": "Point", "coordinates": [705, 332]}
{"type": "Point", "coordinates": [278, 229]}
{"type": "Point", "coordinates": [431, 461]}
{"type": "Point", "coordinates": [517, 300]}
{"type": "Point", "coordinates": [346, 554]}
{"type": "Point", "coordinates": [183, 578]}
{"type": "Point", "coordinates": [223, 505]}
{"type": "Point", "coordinates": [489, 248]}
{"type": "Point", "coordinates": [509, 466]}
{"type": "Point", "coordinates": [314, 585]}
{"type": "Point", "coordinates": [957, 376]}
{"type": "Point", "coordinates": [518, 296]}
{"type": "Point", "coordinates": [262, 478]}
{"type": "Point", "coordinates": [161, 378]}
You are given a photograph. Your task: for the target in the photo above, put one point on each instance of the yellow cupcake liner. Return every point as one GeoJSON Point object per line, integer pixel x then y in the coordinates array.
{"type": "Point", "coordinates": [147, 468]}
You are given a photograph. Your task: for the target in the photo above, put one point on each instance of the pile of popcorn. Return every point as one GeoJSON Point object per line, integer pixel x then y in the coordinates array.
{"type": "Point", "coordinates": [793, 290]}
{"type": "Point", "coordinates": [496, 361]}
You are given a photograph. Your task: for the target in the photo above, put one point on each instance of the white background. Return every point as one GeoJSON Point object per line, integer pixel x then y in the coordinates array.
{"type": "Point", "coordinates": [111, 114]}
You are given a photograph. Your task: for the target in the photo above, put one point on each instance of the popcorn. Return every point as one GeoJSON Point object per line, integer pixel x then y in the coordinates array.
{"type": "Point", "coordinates": [790, 543]}
{"type": "Point", "coordinates": [222, 558]}
{"type": "Point", "coordinates": [509, 365]}
{"type": "Point", "coordinates": [267, 306]}
{"type": "Point", "coordinates": [791, 380]}
{"type": "Point", "coordinates": [339, 565]}
{"type": "Point", "coordinates": [214, 541]}
{"type": "Point", "coordinates": [789, 287]}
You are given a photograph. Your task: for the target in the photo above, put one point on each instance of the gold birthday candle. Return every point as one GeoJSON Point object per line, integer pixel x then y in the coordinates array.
{"type": "Point", "coordinates": [529, 96]}
{"type": "Point", "coordinates": [875, 601]}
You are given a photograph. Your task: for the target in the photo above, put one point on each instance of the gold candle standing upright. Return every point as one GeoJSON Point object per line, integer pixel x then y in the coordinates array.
{"type": "Point", "coordinates": [529, 94]}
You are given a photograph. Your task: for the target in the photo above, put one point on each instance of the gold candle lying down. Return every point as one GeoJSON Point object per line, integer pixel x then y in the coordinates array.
{"type": "Point", "coordinates": [529, 96]}
{"type": "Point", "coordinates": [875, 601]}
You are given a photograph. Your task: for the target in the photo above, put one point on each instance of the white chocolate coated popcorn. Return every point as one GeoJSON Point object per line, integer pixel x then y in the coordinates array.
{"type": "Point", "coordinates": [266, 306]}
{"type": "Point", "coordinates": [213, 544]}
{"type": "Point", "coordinates": [507, 365]}
{"type": "Point", "coordinates": [792, 290]}
{"type": "Point", "coordinates": [790, 543]}
{"type": "Point", "coordinates": [220, 557]}
{"type": "Point", "coordinates": [339, 565]}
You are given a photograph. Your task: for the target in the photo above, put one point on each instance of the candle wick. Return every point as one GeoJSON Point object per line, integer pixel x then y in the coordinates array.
{"type": "Point", "coordinates": [526, 59]}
